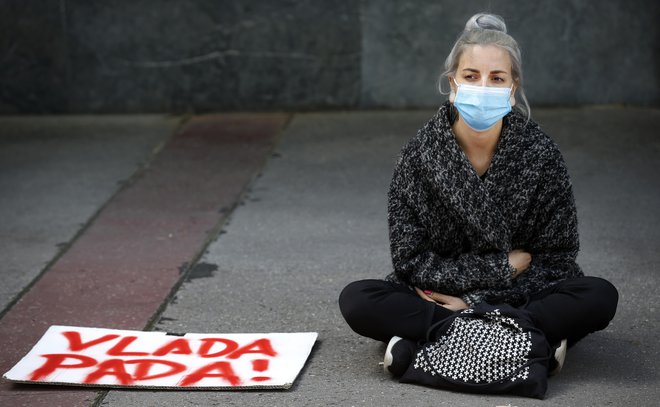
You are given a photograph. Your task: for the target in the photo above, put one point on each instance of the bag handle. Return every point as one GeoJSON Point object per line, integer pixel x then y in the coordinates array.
{"type": "Point", "coordinates": [473, 315]}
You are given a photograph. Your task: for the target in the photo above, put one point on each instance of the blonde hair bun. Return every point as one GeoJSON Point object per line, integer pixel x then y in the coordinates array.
{"type": "Point", "coordinates": [485, 21]}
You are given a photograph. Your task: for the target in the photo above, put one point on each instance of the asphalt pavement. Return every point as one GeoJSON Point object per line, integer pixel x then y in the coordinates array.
{"type": "Point", "coordinates": [306, 217]}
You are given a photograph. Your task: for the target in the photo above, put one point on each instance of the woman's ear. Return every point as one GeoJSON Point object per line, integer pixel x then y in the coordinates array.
{"type": "Point", "coordinates": [512, 96]}
{"type": "Point", "coordinates": [452, 91]}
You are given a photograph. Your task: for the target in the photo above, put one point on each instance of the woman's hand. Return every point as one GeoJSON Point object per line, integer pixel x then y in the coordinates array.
{"type": "Point", "coordinates": [447, 301]}
{"type": "Point", "coordinates": [519, 260]}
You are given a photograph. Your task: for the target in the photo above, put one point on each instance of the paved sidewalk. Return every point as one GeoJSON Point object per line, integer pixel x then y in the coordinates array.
{"type": "Point", "coordinates": [55, 174]}
{"type": "Point", "coordinates": [124, 265]}
{"type": "Point", "coordinates": [316, 220]}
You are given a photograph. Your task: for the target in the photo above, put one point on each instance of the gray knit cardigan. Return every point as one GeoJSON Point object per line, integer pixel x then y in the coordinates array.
{"type": "Point", "coordinates": [451, 231]}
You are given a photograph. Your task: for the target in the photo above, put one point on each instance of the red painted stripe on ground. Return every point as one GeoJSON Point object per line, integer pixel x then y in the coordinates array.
{"type": "Point", "coordinates": [122, 268]}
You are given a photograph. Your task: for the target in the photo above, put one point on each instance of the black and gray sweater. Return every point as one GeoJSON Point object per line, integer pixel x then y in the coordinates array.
{"type": "Point", "coordinates": [451, 231]}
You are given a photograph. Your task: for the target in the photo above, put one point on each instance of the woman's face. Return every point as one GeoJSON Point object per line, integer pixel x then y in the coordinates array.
{"type": "Point", "coordinates": [484, 65]}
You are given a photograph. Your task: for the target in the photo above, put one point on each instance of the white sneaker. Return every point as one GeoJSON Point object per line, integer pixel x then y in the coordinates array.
{"type": "Point", "coordinates": [560, 356]}
{"type": "Point", "coordinates": [398, 356]}
{"type": "Point", "coordinates": [389, 358]}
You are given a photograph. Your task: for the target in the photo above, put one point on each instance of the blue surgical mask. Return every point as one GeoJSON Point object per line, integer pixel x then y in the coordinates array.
{"type": "Point", "coordinates": [482, 106]}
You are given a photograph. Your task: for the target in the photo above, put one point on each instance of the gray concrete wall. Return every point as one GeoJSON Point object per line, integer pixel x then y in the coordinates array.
{"type": "Point", "coordinates": [575, 52]}
{"type": "Point", "coordinates": [81, 56]}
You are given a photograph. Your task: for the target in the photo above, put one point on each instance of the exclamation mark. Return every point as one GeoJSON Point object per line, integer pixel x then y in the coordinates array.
{"type": "Point", "coordinates": [260, 365]}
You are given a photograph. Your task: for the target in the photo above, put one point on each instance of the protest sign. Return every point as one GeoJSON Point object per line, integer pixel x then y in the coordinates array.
{"type": "Point", "coordinates": [119, 358]}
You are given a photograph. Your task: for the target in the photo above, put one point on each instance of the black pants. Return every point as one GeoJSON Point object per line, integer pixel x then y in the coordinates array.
{"type": "Point", "coordinates": [569, 310]}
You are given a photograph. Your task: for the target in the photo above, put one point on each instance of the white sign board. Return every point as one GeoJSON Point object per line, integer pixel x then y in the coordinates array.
{"type": "Point", "coordinates": [117, 358]}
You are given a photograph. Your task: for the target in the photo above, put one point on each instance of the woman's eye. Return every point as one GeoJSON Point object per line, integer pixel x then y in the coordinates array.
{"type": "Point", "coordinates": [498, 79]}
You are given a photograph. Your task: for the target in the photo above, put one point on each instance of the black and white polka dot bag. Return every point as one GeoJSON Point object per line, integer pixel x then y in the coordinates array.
{"type": "Point", "coordinates": [484, 349]}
